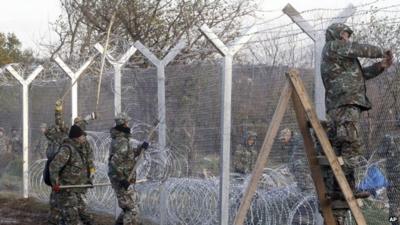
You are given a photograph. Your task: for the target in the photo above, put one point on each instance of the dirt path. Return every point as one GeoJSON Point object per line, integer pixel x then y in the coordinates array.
{"type": "Point", "coordinates": [17, 211]}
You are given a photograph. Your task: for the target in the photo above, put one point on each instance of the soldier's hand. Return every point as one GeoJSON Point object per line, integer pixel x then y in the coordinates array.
{"type": "Point", "coordinates": [387, 60]}
{"type": "Point", "coordinates": [145, 145]}
{"type": "Point", "coordinates": [125, 184]}
{"type": "Point", "coordinates": [56, 188]}
{"type": "Point", "coordinates": [91, 183]}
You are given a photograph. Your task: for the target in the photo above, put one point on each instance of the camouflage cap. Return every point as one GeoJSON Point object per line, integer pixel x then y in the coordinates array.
{"type": "Point", "coordinates": [333, 31]}
{"type": "Point", "coordinates": [43, 125]}
{"type": "Point", "coordinates": [121, 119]}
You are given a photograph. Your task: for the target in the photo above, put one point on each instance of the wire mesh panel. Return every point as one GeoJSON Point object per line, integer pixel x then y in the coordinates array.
{"type": "Point", "coordinates": [183, 179]}
{"type": "Point", "coordinates": [11, 137]}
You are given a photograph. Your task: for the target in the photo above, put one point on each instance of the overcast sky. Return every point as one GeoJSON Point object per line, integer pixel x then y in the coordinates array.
{"type": "Point", "coordinates": [30, 19]}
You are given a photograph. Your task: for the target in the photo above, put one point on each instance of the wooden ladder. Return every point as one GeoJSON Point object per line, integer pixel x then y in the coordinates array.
{"type": "Point", "coordinates": [305, 114]}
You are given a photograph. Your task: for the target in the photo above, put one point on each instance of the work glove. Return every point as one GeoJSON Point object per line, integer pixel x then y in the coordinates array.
{"type": "Point", "coordinates": [90, 182]}
{"type": "Point", "coordinates": [145, 145]}
{"type": "Point", "coordinates": [56, 188]}
{"type": "Point", "coordinates": [125, 184]}
{"type": "Point", "coordinates": [59, 105]}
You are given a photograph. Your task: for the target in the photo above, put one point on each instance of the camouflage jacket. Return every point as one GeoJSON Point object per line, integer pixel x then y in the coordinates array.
{"type": "Point", "coordinates": [88, 151]}
{"type": "Point", "coordinates": [4, 144]}
{"type": "Point", "coordinates": [16, 144]}
{"type": "Point", "coordinates": [56, 134]}
{"type": "Point", "coordinates": [341, 71]}
{"type": "Point", "coordinates": [122, 157]}
{"type": "Point", "coordinates": [41, 146]}
{"type": "Point", "coordinates": [70, 166]}
{"type": "Point", "coordinates": [244, 159]}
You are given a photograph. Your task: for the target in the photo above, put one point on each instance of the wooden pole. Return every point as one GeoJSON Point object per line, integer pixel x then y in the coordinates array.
{"type": "Point", "coordinates": [315, 168]}
{"type": "Point", "coordinates": [95, 185]}
{"type": "Point", "coordinates": [326, 146]}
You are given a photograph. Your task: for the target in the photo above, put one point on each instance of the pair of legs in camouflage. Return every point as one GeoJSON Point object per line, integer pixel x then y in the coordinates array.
{"type": "Point", "coordinates": [73, 208]}
{"type": "Point", "coordinates": [55, 213]}
{"type": "Point", "coordinates": [127, 201]}
{"type": "Point", "coordinates": [344, 134]}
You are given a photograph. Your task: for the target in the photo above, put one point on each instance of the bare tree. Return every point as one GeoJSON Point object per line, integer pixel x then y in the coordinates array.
{"type": "Point", "coordinates": [159, 24]}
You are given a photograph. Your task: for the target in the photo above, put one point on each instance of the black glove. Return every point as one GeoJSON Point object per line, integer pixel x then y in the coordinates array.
{"type": "Point", "coordinates": [125, 184]}
{"type": "Point", "coordinates": [145, 145]}
{"type": "Point", "coordinates": [90, 182]}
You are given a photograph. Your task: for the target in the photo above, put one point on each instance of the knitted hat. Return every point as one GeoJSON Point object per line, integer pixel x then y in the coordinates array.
{"type": "Point", "coordinates": [75, 132]}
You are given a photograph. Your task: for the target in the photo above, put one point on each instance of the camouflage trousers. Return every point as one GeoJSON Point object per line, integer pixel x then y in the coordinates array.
{"type": "Point", "coordinates": [345, 137]}
{"type": "Point", "coordinates": [73, 208]}
{"type": "Point", "coordinates": [127, 201]}
{"type": "Point", "coordinates": [54, 217]}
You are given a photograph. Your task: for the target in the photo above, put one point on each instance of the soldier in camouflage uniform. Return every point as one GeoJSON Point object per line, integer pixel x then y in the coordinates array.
{"type": "Point", "coordinates": [390, 150]}
{"type": "Point", "coordinates": [245, 155]}
{"type": "Point", "coordinates": [4, 142]}
{"type": "Point", "coordinates": [298, 163]}
{"type": "Point", "coordinates": [121, 164]}
{"type": "Point", "coordinates": [55, 134]}
{"type": "Point", "coordinates": [87, 149]}
{"type": "Point", "coordinates": [5, 150]}
{"type": "Point", "coordinates": [70, 167]}
{"type": "Point", "coordinates": [16, 142]}
{"type": "Point", "coordinates": [344, 81]}
{"type": "Point", "coordinates": [39, 152]}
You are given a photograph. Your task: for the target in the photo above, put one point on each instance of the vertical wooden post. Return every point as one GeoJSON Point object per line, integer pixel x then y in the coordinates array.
{"type": "Point", "coordinates": [313, 161]}
{"type": "Point", "coordinates": [326, 146]}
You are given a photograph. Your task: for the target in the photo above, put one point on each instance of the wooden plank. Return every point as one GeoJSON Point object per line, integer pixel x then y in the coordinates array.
{"type": "Point", "coordinates": [264, 153]}
{"type": "Point", "coordinates": [326, 146]}
{"type": "Point", "coordinates": [313, 161]}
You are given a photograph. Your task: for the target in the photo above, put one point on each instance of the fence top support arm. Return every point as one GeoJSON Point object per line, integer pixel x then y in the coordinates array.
{"type": "Point", "coordinates": [210, 35]}
{"type": "Point", "coordinates": [146, 52]}
{"type": "Point", "coordinates": [30, 78]}
{"type": "Point", "coordinates": [345, 14]}
{"type": "Point", "coordinates": [173, 52]}
{"type": "Point", "coordinates": [296, 17]}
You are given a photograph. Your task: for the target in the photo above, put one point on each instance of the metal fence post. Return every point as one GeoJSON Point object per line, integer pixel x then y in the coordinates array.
{"type": "Point", "coordinates": [160, 64]}
{"type": "Point", "coordinates": [25, 120]}
{"type": "Point", "coordinates": [117, 64]}
{"type": "Point", "coordinates": [74, 77]}
{"type": "Point", "coordinates": [228, 53]}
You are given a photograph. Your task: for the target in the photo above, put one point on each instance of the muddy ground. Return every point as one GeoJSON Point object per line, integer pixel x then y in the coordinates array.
{"type": "Point", "coordinates": [18, 211]}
